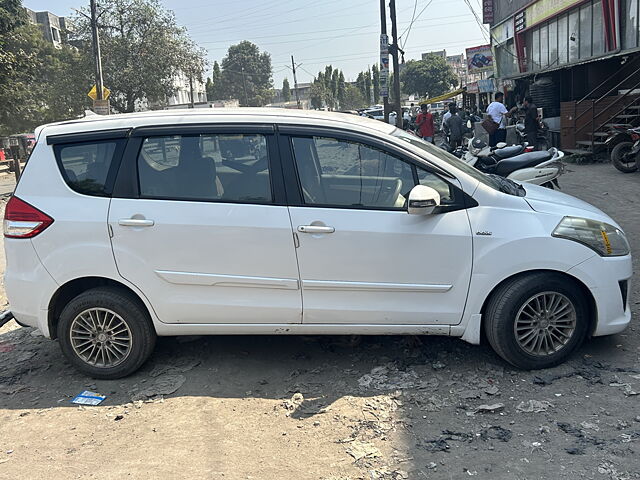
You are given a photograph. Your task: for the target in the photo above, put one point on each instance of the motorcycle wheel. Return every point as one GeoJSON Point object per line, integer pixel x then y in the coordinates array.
{"type": "Point", "coordinates": [622, 160]}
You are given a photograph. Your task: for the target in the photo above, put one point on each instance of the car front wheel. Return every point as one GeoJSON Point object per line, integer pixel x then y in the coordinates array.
{"type": "Point", "coordinates": [106, 333]}
{"type": "Point", "coordinates": [537, 320]}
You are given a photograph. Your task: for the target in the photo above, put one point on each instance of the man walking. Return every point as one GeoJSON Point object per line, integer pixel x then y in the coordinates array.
{"type": "Point", "coordinates": [454, 127]}
{"type": "Point", "coordinates": [498, 113]}
{"type": "Point", "coordinates": [425, 124]}
{"type": "Point", "coordinates": [531, 121]}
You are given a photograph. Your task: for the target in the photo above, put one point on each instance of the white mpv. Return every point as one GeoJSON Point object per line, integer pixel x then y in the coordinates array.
{"type": "Point", "coordinates": [263, 221]}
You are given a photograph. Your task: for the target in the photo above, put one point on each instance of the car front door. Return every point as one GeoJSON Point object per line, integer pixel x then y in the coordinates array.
{"type": "Point", "coordinates": [362, 258]}
{"type": "Point", "coordinates": [199, 227]}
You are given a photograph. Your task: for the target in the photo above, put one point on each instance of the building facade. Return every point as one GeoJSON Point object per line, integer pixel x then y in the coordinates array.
{"type": "Point", "coordinates": [572, 56]}
{"type": "Point", "coordinates": [54, 28]}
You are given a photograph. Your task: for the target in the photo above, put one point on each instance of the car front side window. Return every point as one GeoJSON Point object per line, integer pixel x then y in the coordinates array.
{"type": "Point", "coordinates": [341, 173]}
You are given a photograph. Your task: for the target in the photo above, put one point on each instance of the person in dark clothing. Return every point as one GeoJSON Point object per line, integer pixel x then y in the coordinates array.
{"type": "Point", "coordinates": [454, 127]}
{"type": "Point", "coordinates": [531, 121]}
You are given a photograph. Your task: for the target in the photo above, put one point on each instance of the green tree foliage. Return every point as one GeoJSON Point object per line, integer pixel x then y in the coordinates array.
{"type": "Point", "coordinates": [375, 78]}
{"type": "Point", "coordinates": [328, 89]}
{"type": "Point", "coordinates": [341, 90]}
{"type": "Point", "coordinates": [429, 77]}
{"type": "Point", "coordinates": [214, 83]}
{"type": "Point", "coordinates": [247, 75]}
{"type": "Point", "coordinates": [367, 85]}
{"type": "Point", "coordinates": [286, 90]}
{"type": "Point", "coordinates": [38, 83]}
{"type": "Point", "coordinates": [353, 98]}
{"type": "Point", "coordinates": [143, 50]}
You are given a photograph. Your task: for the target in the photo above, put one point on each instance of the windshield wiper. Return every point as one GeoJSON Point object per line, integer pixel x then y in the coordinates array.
{"type": "Point", "coordinates": [507, 185]}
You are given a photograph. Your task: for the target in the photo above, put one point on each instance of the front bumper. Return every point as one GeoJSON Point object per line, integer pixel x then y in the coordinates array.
{"type": "Point", "coordinates": [607, 279]}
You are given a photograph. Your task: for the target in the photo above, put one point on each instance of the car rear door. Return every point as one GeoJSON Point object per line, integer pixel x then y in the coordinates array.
{"type": "Point", "coordinates": [363, 259]}
{"type": "Point", "coordinates": [199, 224]}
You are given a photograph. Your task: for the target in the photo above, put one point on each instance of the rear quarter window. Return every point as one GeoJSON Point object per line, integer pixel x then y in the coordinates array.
{"type": "Point", "coordinates": [89, 167]}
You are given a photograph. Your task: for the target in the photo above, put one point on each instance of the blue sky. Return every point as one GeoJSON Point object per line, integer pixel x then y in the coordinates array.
{"type": "Point", "coordinates": [344, 33]}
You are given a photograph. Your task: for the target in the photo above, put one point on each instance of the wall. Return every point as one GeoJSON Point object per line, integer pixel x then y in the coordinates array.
{"type": "Point", "coordinates": [506, 8]}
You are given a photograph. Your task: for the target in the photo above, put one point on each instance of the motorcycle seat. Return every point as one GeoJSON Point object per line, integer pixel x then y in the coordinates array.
{"type": "Point", "coordinates": [508, 152]}
{"type": "Point", "coordinates": [531, 159]}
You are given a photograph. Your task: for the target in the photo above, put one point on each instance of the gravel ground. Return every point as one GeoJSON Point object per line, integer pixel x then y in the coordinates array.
{"type": "Point", "coordinates": [334, 408]}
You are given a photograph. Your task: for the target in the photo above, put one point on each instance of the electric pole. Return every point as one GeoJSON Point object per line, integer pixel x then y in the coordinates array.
{"type": "Point", "coordinates": [383, 31]}
{"type": "Point", "coordinates": [295, 82]}
{"type": "Point", "coordinates": [244, 87]}
{"type": "Point", "coordinates": [96, 49]}
{"type": "Point", "coordinates": [395, 52]}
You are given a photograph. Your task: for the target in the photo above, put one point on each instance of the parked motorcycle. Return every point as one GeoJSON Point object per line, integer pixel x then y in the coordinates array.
{"type": "Point", "coordinates": [542, 136]}
{"type": "Point", "coordinates": [513, 162]}
{"type": "Point", "coordinates": [625, 155]}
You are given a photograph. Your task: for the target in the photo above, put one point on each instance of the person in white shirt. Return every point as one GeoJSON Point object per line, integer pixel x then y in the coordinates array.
{"type": "Point", "coordinates": [446, 115]}
{"type": "Point", "coordinates": [498, 113]}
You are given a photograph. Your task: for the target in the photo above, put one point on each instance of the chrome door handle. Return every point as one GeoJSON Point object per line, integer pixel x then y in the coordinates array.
{"type": "Point", "coordinates": [315, 229]}
{"type": "Point", "coordinates": [135, 222]}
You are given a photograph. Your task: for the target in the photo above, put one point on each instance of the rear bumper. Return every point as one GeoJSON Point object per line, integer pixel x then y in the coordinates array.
{"type": "Point", "coordinates": [29, 286]}
{"type": "Point", "coordinates": [608, 280]}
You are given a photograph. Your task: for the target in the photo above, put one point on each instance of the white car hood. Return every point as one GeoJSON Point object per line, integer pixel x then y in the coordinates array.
{"type": "Point", "coordinates": [545, 200]}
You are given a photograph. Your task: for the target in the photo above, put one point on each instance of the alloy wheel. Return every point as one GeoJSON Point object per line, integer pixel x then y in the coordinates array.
{"type": "Point", "coordinates": [100, 337]}
{"type": "Point", "coordinates": [545, 323]}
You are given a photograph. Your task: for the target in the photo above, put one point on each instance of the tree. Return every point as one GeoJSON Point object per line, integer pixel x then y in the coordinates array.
{"type": "Point", "coordinates": [375, 74]}
{"type": "Point", "coordinates": [247, 75]}
{"type": "Point", "coordinates": [430, 76]}
{"type": "Point", "coordinates": [38, 83]}
{"type": "Point", "coordinates": [367, 85]}
{"type": "Point", "coordinates": [143, 50]}
{"type": "Point", "coordinates": [214, 83]}
{"type": "Point", "coordinates": [341, 91]}
{"type": "Point", "coordinates": [286, 91]}
{"type": "Point", "coordinates": [353, 98]}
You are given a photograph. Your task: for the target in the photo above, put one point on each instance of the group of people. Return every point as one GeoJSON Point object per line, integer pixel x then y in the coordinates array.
{"type": "Point", "coordinates": [454, 126]}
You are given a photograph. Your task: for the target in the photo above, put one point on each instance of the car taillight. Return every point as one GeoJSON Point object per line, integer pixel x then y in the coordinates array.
{"type": "Point", "coordinates": [22, 220]}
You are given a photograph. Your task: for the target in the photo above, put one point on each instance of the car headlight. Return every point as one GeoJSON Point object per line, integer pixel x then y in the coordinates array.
{"type": "Point", "coordinates": [605, 239]}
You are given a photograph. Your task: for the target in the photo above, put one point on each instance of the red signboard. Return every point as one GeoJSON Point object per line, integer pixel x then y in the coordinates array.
{"type": "Point", "coordinates": [487, 11]}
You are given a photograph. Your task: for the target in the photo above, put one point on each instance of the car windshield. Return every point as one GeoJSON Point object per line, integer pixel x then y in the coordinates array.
{"type": "Point", "coordinates": [493, 181]}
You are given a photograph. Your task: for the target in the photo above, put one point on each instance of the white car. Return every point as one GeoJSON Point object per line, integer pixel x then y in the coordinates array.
{"type": "Point", "coordinates": [257, 221]}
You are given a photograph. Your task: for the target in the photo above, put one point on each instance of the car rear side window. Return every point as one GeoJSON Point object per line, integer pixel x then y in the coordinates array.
{"type": "Point", "coordinates": [89, 167]}
{"type": "Point", "coordinates": [207, 167]}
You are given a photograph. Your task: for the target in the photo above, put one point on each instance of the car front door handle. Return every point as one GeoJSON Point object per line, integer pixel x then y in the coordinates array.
{"type": "Point", "coordinates": [315, 229]}
{"type": "Point", "coordinates": [135, 222]}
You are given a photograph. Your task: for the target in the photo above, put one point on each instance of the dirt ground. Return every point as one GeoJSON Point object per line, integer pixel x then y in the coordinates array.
{"type": "Point", "coordinates": [327, 408]}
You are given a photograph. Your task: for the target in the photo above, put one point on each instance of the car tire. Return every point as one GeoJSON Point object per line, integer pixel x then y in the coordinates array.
{"type": "Point", "coordinates": [510, 320]}
{"type": "Point", "coordinates": [617, 154]}
{"type": "Point", "coordinates": [106, 333]}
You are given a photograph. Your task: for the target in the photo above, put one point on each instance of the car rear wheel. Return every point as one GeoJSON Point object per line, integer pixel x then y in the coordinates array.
{"type": "Point", "coordinates": [536, 321]}
{"type": "Point", "coordinates": [106, 333]}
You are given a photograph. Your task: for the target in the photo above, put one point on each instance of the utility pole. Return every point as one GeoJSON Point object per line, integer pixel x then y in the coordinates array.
{"type": "Point", "coordinates": [395, 51]}
{"type": "Point", "coordinates": [191, 103]}
{"type": "Point", "coordinates": [295, 82]}
{"type": "Point", "coordinates": [383, 31]}
{"type": "Point", "coordinates": [96, 49]}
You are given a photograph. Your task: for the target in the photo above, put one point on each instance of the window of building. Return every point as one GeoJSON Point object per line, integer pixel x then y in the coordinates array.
{"type": "Point", "coordinates": [223, 168]}
{"type": "Point", "coordinates": [563, 40]}
{"type": "Point", "coordinates": [544, 46]}
{"type": "Point", "coordinates": [535, 49]}
{"type": "Point", "coordinates": [553, 43]}
{"type": "Point", "coordinates": [55, 34]}
{"type": "Point", "coordinates": [598, 29]}
{"type": "Point", "coordinates": [574, 33]}
{"type": "Point", "coordinates": [630, 27]}
{"type": "Point", "coordinates": [586, 29]}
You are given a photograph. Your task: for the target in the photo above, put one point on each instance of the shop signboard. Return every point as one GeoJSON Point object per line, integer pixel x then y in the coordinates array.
{"type": "Point", "coordinates": [384, 65]}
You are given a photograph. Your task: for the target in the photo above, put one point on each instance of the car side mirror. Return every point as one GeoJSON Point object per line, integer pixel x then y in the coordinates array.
{"type": "Point", "coordinates": [422, 200]}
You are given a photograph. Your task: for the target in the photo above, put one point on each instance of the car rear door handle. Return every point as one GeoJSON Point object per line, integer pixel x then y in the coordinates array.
{"type": "Point", "coordinates": [135, 222]}
{"type": "Point", "coordinates": [315, 229]}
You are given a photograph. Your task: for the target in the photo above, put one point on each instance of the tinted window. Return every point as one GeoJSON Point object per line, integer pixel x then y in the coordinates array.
{"type": "Point", "coordinates": [341, 173]}
{"type": "Point", "coordinates": [224, 168]}
{"type": "Point", "coordinates": [86, 166]}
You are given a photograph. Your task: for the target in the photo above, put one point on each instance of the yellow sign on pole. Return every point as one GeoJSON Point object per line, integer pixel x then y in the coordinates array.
{"type": "Point", "coordinates": [93, 93]}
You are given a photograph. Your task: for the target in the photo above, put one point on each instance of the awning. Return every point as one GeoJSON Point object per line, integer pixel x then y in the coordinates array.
{"type": "Point", "coordinates": [443, 97]}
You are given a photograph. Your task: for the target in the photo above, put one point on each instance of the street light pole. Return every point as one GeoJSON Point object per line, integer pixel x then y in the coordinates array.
{"type": "Point", "coordinates": [244, 86]}
{"type": "Point", "coordinates": [383, 31]}
{"type": "Point", "coordinates": [396, 64]}
{"type": "Point", "coordinates": [96, 49]}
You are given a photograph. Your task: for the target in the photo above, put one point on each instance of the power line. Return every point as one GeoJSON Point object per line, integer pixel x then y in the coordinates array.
{"type": "Point", "coordinates": [408, 29]}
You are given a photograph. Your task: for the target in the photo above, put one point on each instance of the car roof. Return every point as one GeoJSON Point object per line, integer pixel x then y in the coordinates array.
{"type": "Point", "coordinates": [93, 123]}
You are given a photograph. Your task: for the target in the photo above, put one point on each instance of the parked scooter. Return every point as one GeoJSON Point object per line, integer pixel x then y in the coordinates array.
{"type": "Point", "coordinates": [542, 136]}
{"type": "Point", "coordinates": [540, 168]}
{"type": "Point", "coordinates": [625, 155]}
